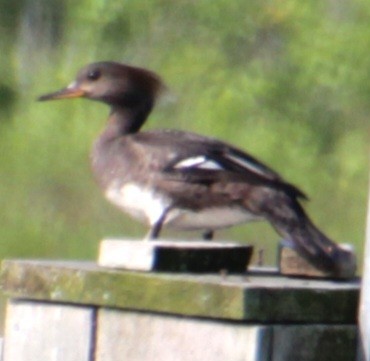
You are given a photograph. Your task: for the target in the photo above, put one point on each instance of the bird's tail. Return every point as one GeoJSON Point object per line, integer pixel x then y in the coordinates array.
{"type": "Point", "coordinates": [295, 226]}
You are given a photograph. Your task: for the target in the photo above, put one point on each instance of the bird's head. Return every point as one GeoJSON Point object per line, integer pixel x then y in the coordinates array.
{"type": "Point", "coordinates": [112, 83]}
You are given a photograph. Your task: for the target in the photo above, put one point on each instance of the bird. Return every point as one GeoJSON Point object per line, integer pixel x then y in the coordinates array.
{"type": "Point", "coordinates": [186, 181]}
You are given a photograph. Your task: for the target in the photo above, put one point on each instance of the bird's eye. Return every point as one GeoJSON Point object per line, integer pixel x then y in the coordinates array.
{"type": "Point", "coordinates": [93, 74]}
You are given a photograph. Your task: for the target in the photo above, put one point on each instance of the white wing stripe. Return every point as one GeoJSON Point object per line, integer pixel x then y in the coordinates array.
{"type": "Point", "coordinates": [190, 162]}
{"type": "Point", "coordinates": [202, 162]}
{"type": "Point", "coordinates": [211, 164]}
{"type": "Point", "coordinates": [199, 162]}
{"type": "Point", "coordinates": [245, 164]}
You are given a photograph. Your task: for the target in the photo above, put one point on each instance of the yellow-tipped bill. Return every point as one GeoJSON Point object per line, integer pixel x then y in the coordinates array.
{"type": "Point", "coordinates": [72, 91]}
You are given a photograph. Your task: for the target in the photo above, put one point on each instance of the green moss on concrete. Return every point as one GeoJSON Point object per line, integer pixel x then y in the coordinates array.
{"type": "Point", "coordinates": [261, 298]}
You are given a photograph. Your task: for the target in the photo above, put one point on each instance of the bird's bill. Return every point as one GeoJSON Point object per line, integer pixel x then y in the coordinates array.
{"type": "Point", "coordinates": [72, 91]}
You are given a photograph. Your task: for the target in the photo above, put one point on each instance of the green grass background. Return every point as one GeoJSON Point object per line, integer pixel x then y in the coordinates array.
{"type": "Point", "coordinates": [288, 81]}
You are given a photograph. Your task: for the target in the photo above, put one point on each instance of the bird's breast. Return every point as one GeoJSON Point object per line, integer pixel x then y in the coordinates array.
{"type": "Point", "coordinates": [148, 206]}
{"type": "Point", "coordinates": [139, 201]}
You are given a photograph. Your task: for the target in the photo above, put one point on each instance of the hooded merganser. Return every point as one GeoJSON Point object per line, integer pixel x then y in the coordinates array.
{"type": "Point", "coordinates": [187, 181]}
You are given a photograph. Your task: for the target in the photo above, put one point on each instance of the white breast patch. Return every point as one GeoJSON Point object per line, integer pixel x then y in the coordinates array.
{"type": "Point", "coordinates": [139, 202]}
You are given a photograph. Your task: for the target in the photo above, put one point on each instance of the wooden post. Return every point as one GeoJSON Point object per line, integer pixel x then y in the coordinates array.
{"type": "Point", "coordinates": [364, 310]}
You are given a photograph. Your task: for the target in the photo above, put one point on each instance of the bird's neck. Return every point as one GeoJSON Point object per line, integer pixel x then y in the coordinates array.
{"type": "Point", "coordinates": [125, 120]}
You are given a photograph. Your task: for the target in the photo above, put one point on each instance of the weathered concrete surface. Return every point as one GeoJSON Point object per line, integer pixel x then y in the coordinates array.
{"type": "Point", "coordinates": [314, 343]}
{"type": "Point", "coordinates": [291, 263]}
{"type": "Point", "coordinates": [38, 331]}
{"type": "Point", "coordinates": [62, 332]}
{"type": "Point", "coordinates": [254, 297]}
{"type": "Point", "coordinates": [148, 337]}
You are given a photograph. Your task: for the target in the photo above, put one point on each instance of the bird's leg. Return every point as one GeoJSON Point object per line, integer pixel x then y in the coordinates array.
{"type": "Point", "coordinates": [208, 235]}
{"type": "Point", "coordinates": [156, 228]}
{"type": "Point", "coordinates": [154, 231]}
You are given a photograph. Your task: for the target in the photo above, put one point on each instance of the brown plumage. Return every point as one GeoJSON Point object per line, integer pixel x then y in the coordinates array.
{"type": "Point", "coordinates": [187, 181]}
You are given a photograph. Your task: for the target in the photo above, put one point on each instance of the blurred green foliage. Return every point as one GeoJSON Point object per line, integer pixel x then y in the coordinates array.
{"type": "Point", "coordinates": [288, 81]}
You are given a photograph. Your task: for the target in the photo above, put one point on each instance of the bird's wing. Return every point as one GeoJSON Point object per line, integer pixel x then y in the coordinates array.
{"type": "Point", "coordinates": [206, 160]}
